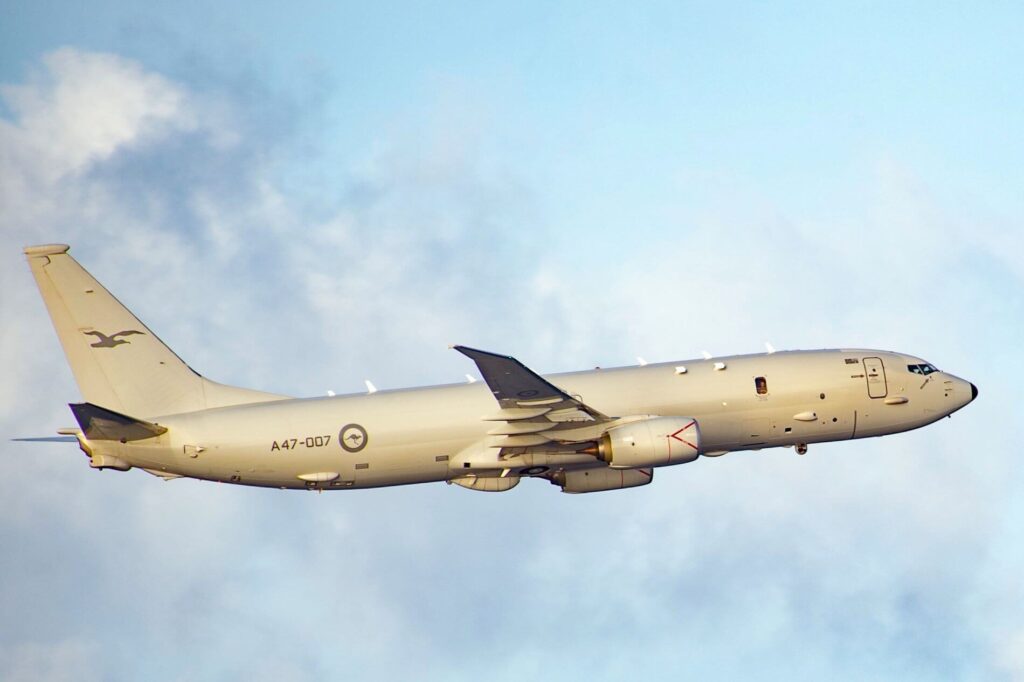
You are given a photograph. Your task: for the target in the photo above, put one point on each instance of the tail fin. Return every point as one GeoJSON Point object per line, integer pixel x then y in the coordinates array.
{"type": "Point", "coordinates": [117, 361]}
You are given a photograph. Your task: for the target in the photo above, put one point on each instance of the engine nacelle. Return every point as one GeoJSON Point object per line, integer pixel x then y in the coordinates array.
{"type": "Point", "coordinates": [605, 478]}
{"type": "Point", "coordinates": [654, 442]}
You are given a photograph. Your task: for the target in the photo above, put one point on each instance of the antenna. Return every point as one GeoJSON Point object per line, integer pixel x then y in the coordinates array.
{"type": "Point", "coordinates": [769, 347]}
{"type": "Point", "coordinates": [370, 388]}
{"type": "Point", "coordinates": [470, 379]}
{"type": "Point", "coordinates": [707, 355]}
{"type": "Point", "coordinates": [640, 361]}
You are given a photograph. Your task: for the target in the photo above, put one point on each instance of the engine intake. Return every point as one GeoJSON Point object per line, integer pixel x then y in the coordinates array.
{"type": "Point", "coordinates": [654, 442]}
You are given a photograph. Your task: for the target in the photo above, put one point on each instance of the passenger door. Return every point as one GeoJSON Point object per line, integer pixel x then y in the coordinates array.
{"type": "Point", "coordinates": [874, 372]}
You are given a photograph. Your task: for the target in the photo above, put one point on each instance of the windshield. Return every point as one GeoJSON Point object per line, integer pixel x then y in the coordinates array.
{"type": "Point", "coordinates": [924, 368]}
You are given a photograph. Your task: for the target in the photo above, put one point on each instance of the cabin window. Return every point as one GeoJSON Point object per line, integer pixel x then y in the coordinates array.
{"type": "Point", "coordinates": [761, 384]}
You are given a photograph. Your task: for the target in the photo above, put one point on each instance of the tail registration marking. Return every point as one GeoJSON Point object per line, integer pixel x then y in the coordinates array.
{"type": "Point", "coordinates": [296, 443]}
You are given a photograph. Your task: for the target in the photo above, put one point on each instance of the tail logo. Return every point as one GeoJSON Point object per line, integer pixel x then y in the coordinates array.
{"type": "Point", "coordinates": [104, 341]}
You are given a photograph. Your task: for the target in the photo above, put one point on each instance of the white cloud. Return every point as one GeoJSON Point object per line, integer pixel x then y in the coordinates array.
{"type": "Point", "coordinates": [1010, 656]}
{"type": "Point", "coordinates": [85, 107]}
{"type": "Point", "coordinates": [56, 661]}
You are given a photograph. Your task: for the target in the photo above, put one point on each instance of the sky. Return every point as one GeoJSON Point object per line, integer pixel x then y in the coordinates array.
{"type": "Point", "coordinates": [298, 197]}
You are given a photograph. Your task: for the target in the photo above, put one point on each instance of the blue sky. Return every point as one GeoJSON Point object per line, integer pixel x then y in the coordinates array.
{"type": "Point", "coordinates": [297, 198]}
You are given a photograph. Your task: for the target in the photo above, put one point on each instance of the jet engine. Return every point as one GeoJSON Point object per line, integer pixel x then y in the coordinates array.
{"type": "Point", "coordinates": [654, 442]}
{"type": "Point", "coordinates": [605, 478]}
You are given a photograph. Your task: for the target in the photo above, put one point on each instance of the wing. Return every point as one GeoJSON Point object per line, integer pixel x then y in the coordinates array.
{"type": "Point", "coordinates": [535, 412]}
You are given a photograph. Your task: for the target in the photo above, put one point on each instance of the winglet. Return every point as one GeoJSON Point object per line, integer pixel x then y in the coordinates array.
{"type": "Point", "coordinates": [99, 423]}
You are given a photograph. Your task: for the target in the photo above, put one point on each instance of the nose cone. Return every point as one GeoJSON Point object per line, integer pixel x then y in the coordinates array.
{"type": "Point", "coordinates": [963, 394]}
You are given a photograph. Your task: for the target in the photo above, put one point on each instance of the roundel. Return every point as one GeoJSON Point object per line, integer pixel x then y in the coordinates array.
{"type": "Point", "coordinates": [352, 437]}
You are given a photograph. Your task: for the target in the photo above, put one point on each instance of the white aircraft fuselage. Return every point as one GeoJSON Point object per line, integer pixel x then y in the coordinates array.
{"type": "Point", "coordinates": [422, 435]}
{"type": "Point", "coordinates": [588, 431]}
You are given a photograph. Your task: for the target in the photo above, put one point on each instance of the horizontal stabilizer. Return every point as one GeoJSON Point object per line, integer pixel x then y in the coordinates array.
{"type": "Point", "coordinates": [99, 423]}
{"type": "Point", "coordinates": [48, 439]}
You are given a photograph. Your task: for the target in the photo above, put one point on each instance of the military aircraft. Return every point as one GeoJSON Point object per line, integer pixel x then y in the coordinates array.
{"type": "Point", "coordinates": [589, 431]}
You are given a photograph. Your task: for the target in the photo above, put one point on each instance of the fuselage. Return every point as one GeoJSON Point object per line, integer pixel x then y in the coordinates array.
{"type": "Point", "coordinates": [439, 433]}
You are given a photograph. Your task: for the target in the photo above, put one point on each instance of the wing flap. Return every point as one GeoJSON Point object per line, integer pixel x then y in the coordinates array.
{"type": "Point", "coordinates": [516, 428]}
{"type": "Point", "coordinates": [517, 413]}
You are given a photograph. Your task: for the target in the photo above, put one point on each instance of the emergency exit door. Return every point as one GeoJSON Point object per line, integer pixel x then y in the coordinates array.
{"type": "Point", "coordinates": [874, 372]}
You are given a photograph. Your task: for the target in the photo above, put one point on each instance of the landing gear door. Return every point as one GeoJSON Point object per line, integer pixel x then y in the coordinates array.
{"type": "Point", "coordinates": [874, 372]}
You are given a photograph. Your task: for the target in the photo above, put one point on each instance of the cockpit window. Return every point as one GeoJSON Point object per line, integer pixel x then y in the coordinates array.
{"type": "Point", "coordinates": [924, 369]}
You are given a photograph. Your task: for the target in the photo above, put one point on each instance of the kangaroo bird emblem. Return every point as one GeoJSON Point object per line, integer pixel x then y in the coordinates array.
{"type": "Point", "coordinates": [104, 341]}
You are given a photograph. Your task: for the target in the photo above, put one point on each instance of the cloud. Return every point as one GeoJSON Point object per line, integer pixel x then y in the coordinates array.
{"type": "Point", "coordinates": [857, 560]}
{"type": "Point", "coordinates": [68, 659]}
{"type": "Point", "coordinates": [1010, 656]}
{"type": "Point", "coordinates": [84, 108]}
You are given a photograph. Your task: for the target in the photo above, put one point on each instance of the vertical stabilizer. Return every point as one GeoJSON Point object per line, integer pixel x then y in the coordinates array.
{"type": "Point", "coordinates": [117, 361]}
